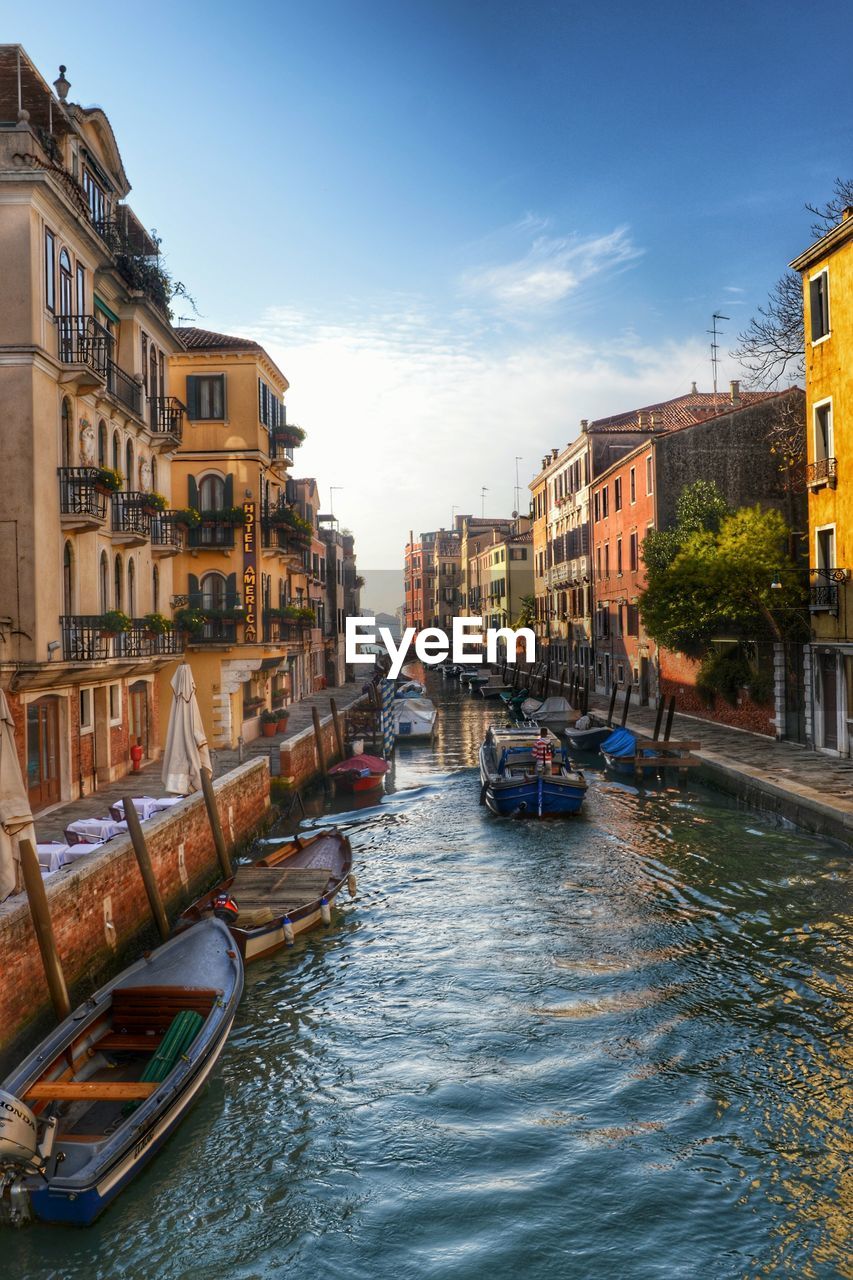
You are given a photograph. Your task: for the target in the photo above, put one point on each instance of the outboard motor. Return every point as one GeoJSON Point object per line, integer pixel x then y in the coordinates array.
{"type": "Point", "coordinates": [225, 908]}
{"type": "Point", "coordinates": [22, 1155]}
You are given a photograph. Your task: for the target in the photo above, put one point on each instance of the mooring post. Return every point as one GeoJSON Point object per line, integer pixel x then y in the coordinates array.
{"type": "Point", "coordinates": [563, 676]}
{"type": "Point", "coordinates": [659, 716]}
{"type": "Point", "coordinates": [625, 706]}
{"type": "Point", "coordinates": [585, 707]}
{"type": "Point", "coordinates": [612, 706]}
{"type": "Point", "coordinates": [146, 867]}
{"type": "Point", "coordinates": [336, 721]}
{"type": "Point", "coordinates": [318, 738]}
{"type": "Point", "coordinates": [43, 926]}
{"type": "Point", "coordinates": [215, 824]}
{"type": "Point", "coordinates": [669, 718]}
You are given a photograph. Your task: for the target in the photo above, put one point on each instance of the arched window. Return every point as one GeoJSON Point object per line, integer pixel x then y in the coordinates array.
{"type": "Point", "coordinates": [118, 577]}
{"type": "Point", "coordinates": [131, 588]}
{"type": "Point", "coordinates": [66, 306]}
{"type": "Point", "coordinates": [213, 591]}
{"type": "Point", "coordinates": [102, 443]}
{"type": "Point", "coordinates": [155, 589]}
{"type": "Point", "coordinates": [128, 466]}
{"type": "Point", "coordinates": [116, 451]}
{"type": "Point", "coordinates": [152, 374]}
{"type": "Point", "coordinates": [211, 493]}
{"type": "Point", "coordinates": [104, 582]}
{"type": "Point", "coordinates": [67, 428]}
{"type": "Point", "coordinates": [68, 579]}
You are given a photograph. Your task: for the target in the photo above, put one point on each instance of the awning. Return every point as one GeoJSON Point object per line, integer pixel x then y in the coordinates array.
{"type": "Point", "coordinates": [102, 306]}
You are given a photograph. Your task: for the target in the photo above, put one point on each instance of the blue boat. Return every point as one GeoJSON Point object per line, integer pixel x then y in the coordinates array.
{"type": "Point", "coordinates": [620, 751]}
{"type": "Point", "coordinates": [511, 785]}
{"type": "Point", "coordinates": [95, 1101]}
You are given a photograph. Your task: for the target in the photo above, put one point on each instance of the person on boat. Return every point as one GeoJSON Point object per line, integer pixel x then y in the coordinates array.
{"type": "Point", "coordinates": [543, 752]}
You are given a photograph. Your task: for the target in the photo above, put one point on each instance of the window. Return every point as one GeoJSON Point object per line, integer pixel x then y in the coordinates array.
{"type": "Point", "coordinates": [95, 197]}
{"type": "Point", "coordinates": [632, 484]}
{"type": "Point", "coordinates": [49, 270]}
{"type": "Point", "coordinates": [206, 397]}
{"type": "Point", "coordinates": [68, 579]}
{"type": "Point", "coordinates": [128, 466]}
{"type": "Point", "coordinates": [596, 507]}
{"type": "Point", "coordinates": [211, 493]}
{"type": "Point", "coordinates": [825, 547]}
{"type": "Point", "coordinates": [632, 620]}
{"type": "Point", "coordinates": [145, 362]}
{"type": "Point", "coordinates": [823, 431]}
{"type": "Point", "coordinates": [102, 443]}
{"type": "Point", "coordinates": [617, 494]}
{"type": "Point", "coordinates": [649, 485]}
{"type": "Point", "coordinates": [131, 588]}
{"type": "Point", "coordinates": [819, 299]}
{"type": "Point", "coordinates": [619, 556]}
{"type": "Point", "coordinates": [67, 442]}
{"type": "Point", "coordinates": [116, 451]}
{"type": "Point", "coordinates": [86, 721]}
{"type": "Point", "coordinates": [66, 302]}
{"type": "Point", "coordinates": [81, 289]}
{"type": "Point", "coordinates": [104, 582]}
{"type": "Point", "coordinates": [604, 503]}
{"type": "Point", "coordinates": [118, 577]}
{"type": "Point", "coordinates": [634, 552]}
{"type": "Point", "coordinates": [155, 589]}
{"type": "Point", "coordinates": [620, 674]}
{"type": "Point", "coordinates": [115, 704]}
{"type": "Point", "coordinates": [607, 559]}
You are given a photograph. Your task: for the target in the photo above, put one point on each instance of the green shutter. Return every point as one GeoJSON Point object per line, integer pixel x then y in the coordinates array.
{"type": "Point", "coordinates": [192, 492]}
{"type": "Point", "coordinates": [192, 396]}
{"type": "Point", "coordinates": [229, 492]}
{"type": "Point", "coordinates": [193, 591]}
{"type": "Point", "coordinates": [231, 591]}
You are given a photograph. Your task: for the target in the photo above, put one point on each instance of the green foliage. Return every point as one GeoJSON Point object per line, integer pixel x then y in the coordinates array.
{"type": "Point", "coordinates": [190, 620]}
{"type": "Point", "coordinates": [114, 622]}
{"type": "Point", "coordinates": [527, 613]}
{"type": "Point", "coordinates": [109, 479]}
{"type": "Point", "coordinates": [224, 515]}
{"type": "Point", "coordinates": [157, 624]}
{"type": "Point", "coordinates": [725, 672]}
{"type": "Point", "coordinates": [701, 506]}
{"type": "Point", "coordinates": [188, 516]}
{"type": "Point", "coordinates": [156, 502]}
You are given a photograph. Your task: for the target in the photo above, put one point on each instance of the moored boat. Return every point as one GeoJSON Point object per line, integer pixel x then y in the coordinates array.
{"type": "Point", "coordinates": [99, 1096]}
{"type": "Point", "coordinates": [554, 712]}
{"type": "Point", "coordinates": [587, 733]}
{"type": "Point", "coordinates": [511, 786]}
{"type": "Point", "coordinates": [359, 773]}
{"type": "Point", "coordinates": [282, 894]}
{"type": "Point", "coordinates": [414, 719]}
{"type": "Point", "coordinates": [619, 749]}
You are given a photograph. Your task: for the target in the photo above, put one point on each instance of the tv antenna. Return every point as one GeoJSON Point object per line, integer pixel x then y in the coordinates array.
{"type": "Point", "coordinates": [517, 503]}
{"type": "Point", "coordinates": [483, 492]}
{"type": "Point", "coordinates": [715, 347]}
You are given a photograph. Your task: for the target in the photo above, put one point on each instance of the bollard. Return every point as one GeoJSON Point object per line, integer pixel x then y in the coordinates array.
{"type": "Point", "coordinates": [43, 926]}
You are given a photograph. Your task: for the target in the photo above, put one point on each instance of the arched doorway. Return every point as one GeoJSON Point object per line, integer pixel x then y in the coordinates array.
{"type": "Point", "coordinates": [43, 752]}
{"type": "Point", "coordinates": [138, 710]}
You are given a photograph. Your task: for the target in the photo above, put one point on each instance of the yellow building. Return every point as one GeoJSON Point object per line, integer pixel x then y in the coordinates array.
{"type": "Point", "coordinates": [247, 621]}
{"type": "Point", "coordinates": [827, 272]}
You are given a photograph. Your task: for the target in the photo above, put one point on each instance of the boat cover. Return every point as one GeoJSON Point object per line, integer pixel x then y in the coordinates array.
{"type": "Point", "coordinates": [620, 743]}
{"type": "Point", "coordinates": [360, 764]}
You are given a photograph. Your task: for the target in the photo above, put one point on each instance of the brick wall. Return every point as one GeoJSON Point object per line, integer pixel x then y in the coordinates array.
{"type": "Point", "coordinates": [108, 887]}
{"type": "Point", "coordinates": [299, 759]}
{"type": "Point", "coordinates": [678, 679]}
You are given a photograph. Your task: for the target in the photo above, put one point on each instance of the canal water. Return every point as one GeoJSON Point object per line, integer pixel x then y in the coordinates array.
{"type": "Point", "coordinates": [605, 1047]}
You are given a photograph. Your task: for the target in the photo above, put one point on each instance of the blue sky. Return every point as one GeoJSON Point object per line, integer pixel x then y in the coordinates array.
{"type": "Point", "coordinates": [462, 227]}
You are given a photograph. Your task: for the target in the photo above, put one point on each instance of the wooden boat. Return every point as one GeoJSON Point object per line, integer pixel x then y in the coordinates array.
{"type": "Point", "coordinates": [589, 738]}
{"type": "Point", "coordinates": [283, 894]}
{"type": "Point", "coordinates": [510, 785]}
{"type": "Point", "coordinates": [496, 690]}
{"type": "Point", "coordinates": [555, 713]}
{"type": "Point", "coordinates": [359, 774]}
{"type": "Point", "coordinates": [619, 749]}
{"type": "Point", "coordinates": [101, 1094]}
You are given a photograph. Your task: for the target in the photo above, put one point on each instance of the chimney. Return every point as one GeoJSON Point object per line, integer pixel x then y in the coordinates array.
{"type": "Point", "coordinates": [653, 422]}
{"type": "Point", "coordinates": [641, 419]}
{"type": "Point", "coordinates": [694, 390]}
{"type": "Point", "coordinates": [734, 390]}
{"type": "Point", "coordinates": [584, 425]}
{"type": "Point", "coordinates": [554, 452]}
{"type": "Point", "coordinates": [846, 212]}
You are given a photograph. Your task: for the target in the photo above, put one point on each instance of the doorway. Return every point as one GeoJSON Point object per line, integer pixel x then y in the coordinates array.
{"type": "Point", "coordinates": [138, 709]}
{"type": "Point", "coordinates": [829, 700]}
{"type": "Point", "coordinates": [43, 783]}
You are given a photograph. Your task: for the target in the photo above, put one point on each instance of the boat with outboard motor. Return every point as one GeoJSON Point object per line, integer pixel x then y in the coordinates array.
{"type": "Point", "coordinates": [511, 783]}
{"type": "Point", "coordinates": [620, 753]}
{"type": "Point", "coordinates": [414, 719]}
{"type": "Point", "coordinates": [290, 890]}
{"type": "Point", "coordinates": [98, 1097]}
{"type": "Point", "coordinates": [587, 733]}
{"type": "Point", "coordinates": [555, 713]}
{"type": "Point", "coordinates": [359, 774]}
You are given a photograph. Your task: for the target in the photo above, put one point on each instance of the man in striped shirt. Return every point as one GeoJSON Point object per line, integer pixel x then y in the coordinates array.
{"type": "Point", "coordinates": [543, 752]}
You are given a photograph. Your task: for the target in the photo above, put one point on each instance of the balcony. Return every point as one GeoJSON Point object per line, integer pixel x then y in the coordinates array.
{"type": "Point", "coordinates": [821, 473]}
{"type": "Point", "coordinates": [825, 592]}
{"type": "Point", "coordinates": [214, 531]}
{"type": "Point", "coordinates": [205, 618]}
{"type": "Point", "coordinates": [124, 388]}
{"type": "Point", "coordinates": [81, 504]}
{"type": "Point", "coordinates": [131, 518]}
{"type": "Point", "coordinates": [166, 419]}
{"type": "Point", "coordinates": [283, 440]}
{"type": "Point", "coordinates": [85, 346]}
{"type": "Point", "coordinates": [167, 534]}
{"type": "Point", "coordinates": [85, 640]}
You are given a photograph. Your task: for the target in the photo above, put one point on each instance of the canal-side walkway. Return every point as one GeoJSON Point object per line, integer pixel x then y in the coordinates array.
{"type": "Point", "coordinates": [809, 788]}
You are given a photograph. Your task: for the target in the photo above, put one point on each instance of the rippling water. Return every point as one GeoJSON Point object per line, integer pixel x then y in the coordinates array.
{"type": "Point", "coordinates": [605, 1047]}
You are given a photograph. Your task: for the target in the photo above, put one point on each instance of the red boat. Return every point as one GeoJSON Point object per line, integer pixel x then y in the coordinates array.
{"type": "Point", "coordinates": [359, 774]}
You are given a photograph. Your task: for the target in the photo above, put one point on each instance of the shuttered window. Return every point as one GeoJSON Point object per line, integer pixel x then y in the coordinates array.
{"type": "Point", "coordinates": [206, 397]}
{"type": "Point", "coordinates": [49, 271]}
{"type": "Point", "coordinates": [819, 298]}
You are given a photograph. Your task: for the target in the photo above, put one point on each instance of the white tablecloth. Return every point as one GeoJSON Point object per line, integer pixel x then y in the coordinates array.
{"type": "Point", "coordinates": [145, 806]}
{"type": "Point", "coordinates": [93, 830]}
{"type": "Point", "coordinates": [53, 855]}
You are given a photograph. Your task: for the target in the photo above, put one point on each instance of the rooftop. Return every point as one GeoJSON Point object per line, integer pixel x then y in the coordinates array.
{"type": "Point", "coordinates": [207, 340]}
{"type": "Point", "coordinates": [681, 411]}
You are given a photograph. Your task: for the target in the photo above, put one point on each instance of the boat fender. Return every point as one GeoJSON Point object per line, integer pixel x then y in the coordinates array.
{"type": "Point", "coordinates": [351, 884]}
{"type": "Point", "coordinates": [288, 931]}
{"type": "Point", "coordinates": [325, 911]}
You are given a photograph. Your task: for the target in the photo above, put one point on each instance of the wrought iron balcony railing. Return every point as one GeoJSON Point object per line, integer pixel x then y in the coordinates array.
{"type": "Point", "coordinates": [825, 591]}
{"type": "Point", "coordinates": [824, 471]}
{"type": "Point", "coordinates": [82, 340]}
{"type": "Point", "coordinates": [130, 514]}
{"type": "Point", "coordinates": [124, 388]}
{"type": "Point", "coordinates": [167, 533]}
{"type": "Point", "coordinates": [166, 416]}
{"type": "Point", "coordinates": [78, 495]}
{"type": "Point", "coordinates": [85, 640]}
{"type": "Point", "coordinates": [212, 532]}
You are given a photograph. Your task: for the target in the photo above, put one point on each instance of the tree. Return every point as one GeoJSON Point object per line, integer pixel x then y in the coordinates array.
{"type": "Point", "coordinates": [527, 612]}
{"type": "Point", "coordinates": [773, 344]}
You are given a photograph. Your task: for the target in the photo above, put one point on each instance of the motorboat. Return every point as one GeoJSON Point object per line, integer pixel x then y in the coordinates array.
{"type": "Point", "coordinates": [414, 719]}
{"type": "Point", "coordinates": [587, 733]}
{"type": "Point", "coordinates": [512, 786]}
{"type": "Point", "coordinates": [555, 713]}
{"type": "Point", "coordinates": [359, 774]}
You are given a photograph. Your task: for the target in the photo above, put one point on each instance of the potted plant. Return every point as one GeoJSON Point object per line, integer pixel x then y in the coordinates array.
{"type": "Point", "coordinates": [269, 723]}
{"type": "Point", "coordinates": [107, 480]}
{"type": "Point", "coordinates": [187, 516]}
{"type": "Point", "coordinates": [156, 503]}
{"type": "Point", "coordinates": [156, 624]}
{"type": "Point", "coordinates": [191, 620]}
{"type": "Point", "coordinates": [114, 623]}
{"type": "Point", "coordinates": [282, 715]}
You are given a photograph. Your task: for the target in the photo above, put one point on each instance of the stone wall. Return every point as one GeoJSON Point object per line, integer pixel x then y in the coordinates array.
{"type": "Point", "coordinates": [99, 907]}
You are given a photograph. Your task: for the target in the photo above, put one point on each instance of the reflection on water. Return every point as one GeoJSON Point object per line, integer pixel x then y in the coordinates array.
{"type": "Point", "coordinates": [611, 1046]}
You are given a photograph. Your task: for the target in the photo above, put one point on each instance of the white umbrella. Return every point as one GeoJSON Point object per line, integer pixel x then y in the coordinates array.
{"type": "Point", "coordinates": [186, 752]}
{"type": "Point", "coordinates": [16, 819]}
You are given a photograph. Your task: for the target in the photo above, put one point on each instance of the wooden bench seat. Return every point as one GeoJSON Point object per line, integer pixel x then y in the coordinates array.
{"type": "Point", "coordinates": [89, 1090]}
{"type": "Point", "coordinates": [136, 1010]}
{"type": "Point", "coordinates": [126, 1043]}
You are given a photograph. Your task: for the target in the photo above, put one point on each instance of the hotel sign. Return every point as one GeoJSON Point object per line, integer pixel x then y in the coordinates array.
{"type": "Point", "coordinates": [250, 575]}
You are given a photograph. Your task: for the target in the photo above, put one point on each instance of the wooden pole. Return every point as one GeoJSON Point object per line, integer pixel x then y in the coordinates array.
{"type": "Point", "coordinates": [215, 824]}
{"type": "Point", "coordinates": [625, 706]}
{"type": "Point", "coordinates": [563, 676]}
{"type": "Point", "coordinates": [669, 716]}
{"type": "Point", "coordinates": [143, 857]}
{"type": "Point", "coordinates": [336, 721]}
{"type": "Point", "coordinates": [44, 929]}
{"type": "Point", "coordinates": [586, 694]}
{"type": "Point", "coordinates": [612, 706]}
{"type": "Point", "coordinates": [318, 738]}
{"type": "Point", "coordinates": [659, 716]}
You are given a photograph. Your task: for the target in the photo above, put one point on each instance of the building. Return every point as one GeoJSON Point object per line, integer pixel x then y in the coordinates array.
{"type": "Point", "coordinates": [826, 268]}
{"type": "Point", "coordinates": [446, 551]}
{"type": "Point", "coordinates": [417, 585]}
{"type": "Point", "coordinates": [478, 535]}
{"type": "Point", "coordinates": [241, 592]}
{"type": "Point", "coordinates": [90, 422]}
{"type": "Point", "coordinates": [640, 492]}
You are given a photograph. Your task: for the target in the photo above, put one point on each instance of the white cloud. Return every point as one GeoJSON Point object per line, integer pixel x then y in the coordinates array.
{"type": "Point", "coordinates": [552, 269]}
{"type": "Point", "coordinates": [411, 416]}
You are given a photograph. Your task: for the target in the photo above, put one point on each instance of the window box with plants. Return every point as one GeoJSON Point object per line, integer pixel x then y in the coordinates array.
{"type": "Point", "coordinates": [107, 480]}
{"type": "Point", "coordinates": [155, 503]}
{"type": "Point", "coordinates": [114, 623]}
{"type": "Point", "coordinates": [187, 516]}
{"type": "Point", "coordinates": [192, 621]}
{"type": "Point", "coordinates": [156, 624]}
{"type": "Point", "coordinates": [225, 515]}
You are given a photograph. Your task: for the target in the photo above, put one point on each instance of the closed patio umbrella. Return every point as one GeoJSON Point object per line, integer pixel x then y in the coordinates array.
{"type": "Point", "coordinates": [16, 819]}
{"type": "Point", "coordinates": [186, 752]}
